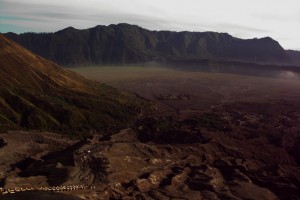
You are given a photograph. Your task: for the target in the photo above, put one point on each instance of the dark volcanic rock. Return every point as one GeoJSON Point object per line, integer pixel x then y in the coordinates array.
{"type": "Point", "coordinates": [38, 195]}
{"type": "Point", "coordinates": [126, 44]}
{"type": "Point", "coordinates": [295, 151]}
{"type": "Point", "coordinates": [160, 130]}
{"type": "Point", "coordinates": [2, 143]}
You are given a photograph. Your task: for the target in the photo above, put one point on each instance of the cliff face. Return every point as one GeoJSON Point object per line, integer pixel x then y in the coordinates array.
{"type": "Point", "coordinates": [128, 44]}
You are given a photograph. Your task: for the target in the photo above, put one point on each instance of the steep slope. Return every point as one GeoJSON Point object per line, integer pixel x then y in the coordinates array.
{"type": "Point", "coordinates": [124, 44]}
{"type": "Point", "coordinates": [21, 68]}
{"type": "Point", "coordinates": [38, 94]}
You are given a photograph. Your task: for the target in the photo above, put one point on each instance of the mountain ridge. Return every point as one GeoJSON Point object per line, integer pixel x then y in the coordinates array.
{"type": "Point", "coordinates": [123, 44]}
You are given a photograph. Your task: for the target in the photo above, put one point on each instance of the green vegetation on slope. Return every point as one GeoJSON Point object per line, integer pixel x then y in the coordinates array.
{"type": "Point", "coordinates": [38, 94]}
{"type": "Point", "coordinates": [106, 111]}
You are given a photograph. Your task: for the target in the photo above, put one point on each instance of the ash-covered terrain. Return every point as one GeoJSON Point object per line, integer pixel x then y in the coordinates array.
{"type": "Point", "coordinates": [221, 137]}
{"type": "Point", "coordinates": [190, 160]}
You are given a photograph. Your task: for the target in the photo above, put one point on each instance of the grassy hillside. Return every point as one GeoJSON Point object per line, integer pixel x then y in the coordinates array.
{"type": "Point", "coordinates": [38, 94]}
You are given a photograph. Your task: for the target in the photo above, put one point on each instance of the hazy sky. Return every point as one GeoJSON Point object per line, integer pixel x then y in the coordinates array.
{"type": "Point", "coordinates": [279, 19]}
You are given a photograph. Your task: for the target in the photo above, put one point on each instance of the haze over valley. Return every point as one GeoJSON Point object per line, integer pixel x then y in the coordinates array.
{"type": "Point", "coordinates": [152, 108]}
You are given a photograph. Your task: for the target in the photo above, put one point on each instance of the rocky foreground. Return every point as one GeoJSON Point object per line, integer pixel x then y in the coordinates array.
{"type": "Point", "coordinates": [243, 147]}
{"type": "Point", "coordinates": [188, 164]}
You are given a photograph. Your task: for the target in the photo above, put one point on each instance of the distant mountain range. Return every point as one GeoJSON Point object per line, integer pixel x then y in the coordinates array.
{"type": "Point", "coordinates": [36, 93]}
{"type": "Point", "coordinates": [129, 44]}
